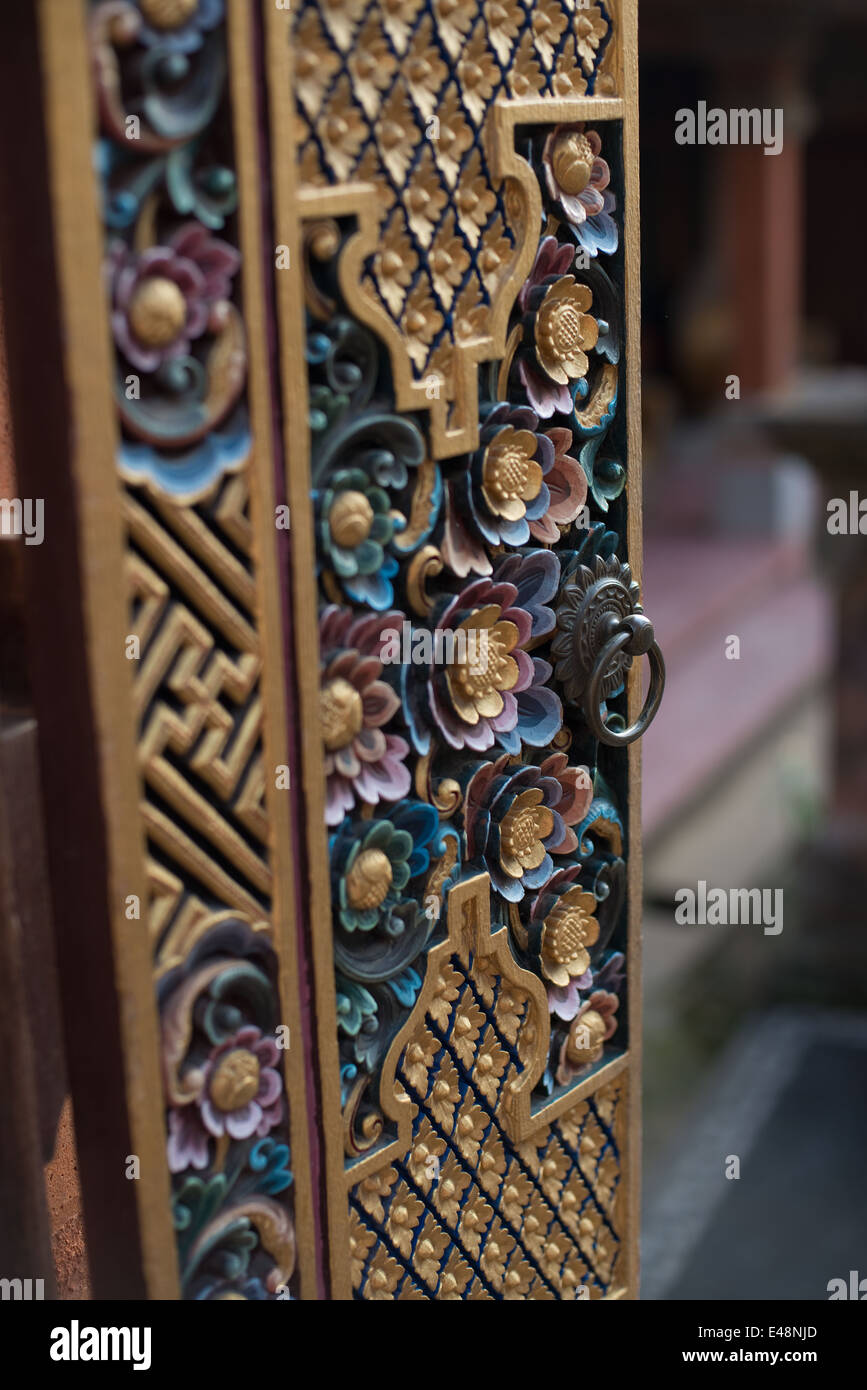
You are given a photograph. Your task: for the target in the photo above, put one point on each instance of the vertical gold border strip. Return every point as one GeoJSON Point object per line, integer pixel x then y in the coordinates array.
{"type": "Point", "coordinates": [290, 311]}
{"type": "Point", "coordinates": [88, 368]}
{"type": "Point", "coordinates": [269, 611]}
{"type": "Point", "coordinates": [632, 295]}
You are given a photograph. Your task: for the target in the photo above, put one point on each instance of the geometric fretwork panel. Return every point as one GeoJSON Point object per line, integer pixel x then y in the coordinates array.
{"type": "Point", "coordinates": [468, 1214]}
{"type": "Point", "coordinates": [199, 703]}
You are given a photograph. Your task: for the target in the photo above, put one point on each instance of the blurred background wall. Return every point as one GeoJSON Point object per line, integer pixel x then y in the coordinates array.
{"type": "Point", "coordinates": [755, 771]}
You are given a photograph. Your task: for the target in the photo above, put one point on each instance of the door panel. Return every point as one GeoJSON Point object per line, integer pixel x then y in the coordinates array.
{"type": "Point", "coordinates": [174, 477]}
{"type": "Point", "coordinates": [480, 1142]}
{"type": "Point", "coordinates": [355, 462]}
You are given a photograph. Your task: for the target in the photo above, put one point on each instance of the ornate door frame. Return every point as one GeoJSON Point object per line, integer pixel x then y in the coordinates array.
{"type": "Point", "coordinates": [188, 742]}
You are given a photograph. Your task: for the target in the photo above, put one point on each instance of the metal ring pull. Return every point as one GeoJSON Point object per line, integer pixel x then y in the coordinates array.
{"type": "Point", "coordinates": [634, 635]}
{"type": "Point", "coordinates": [601, 628]}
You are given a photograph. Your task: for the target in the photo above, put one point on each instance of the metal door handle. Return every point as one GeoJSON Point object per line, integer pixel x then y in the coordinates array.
{"type": "Point", "coordinates": [634, 636]}
{"type": "Point", "coordinates": [602, 626]}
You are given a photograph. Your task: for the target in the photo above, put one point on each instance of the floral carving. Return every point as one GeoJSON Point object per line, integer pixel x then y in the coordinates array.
{"type": "Point", "coordinates": [395, 262]}
{"type": "Point", "coordinates": [449, 260]}
{"type": "Point", "coordinates": [558, 330]}
{"type": "Point", "coordinates": [167, 296]}
{"type": "Point", "coordinates": [505, 20]}
{"type": "Point", "coordinates": [512, 825]}
{"type": "Point", "coordinates": [519, 484]}
{"type": "Point", "coordinates": [526, 78]}
{"type": "Point", "coordinates": [568, 929]}
{"type": "Point", "coordinates": [590, 29]}
{"type": "Point", "coordinates": [492, 690]}
{"type": "Point", "coordinates": [371, 63]}
{"type": "Point", "coordinates": [181, 352]}
{"type": "Point", "coordinates": [356, 526]}
{"type": "Point", "coordinates": [240, 1096]}
{"type": "Point", "coordinates": [568, 80]}
{"type": "Point", "coordinates": [361, 762]}
{"type": "Point", "coordinates": [578, 178]}
{"type": "Point", "coordinates": [593, 1024]}
{"type": "Point", "coordinates": [421, 321]}
{"type": "Point", "coordinates": [226, 1098]}
{"type": "Point", "coordinates": [341, 128]}
{"type": "Point", "coordinates": [490, 763]}
{"type": "Point", "coordinates": [178, 26]}
{"type": "Point", "coordinates": [549, 21]}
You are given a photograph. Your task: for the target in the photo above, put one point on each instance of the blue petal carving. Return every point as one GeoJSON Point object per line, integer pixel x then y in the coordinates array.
{"type": "Point", "coordinates": [189, 474]}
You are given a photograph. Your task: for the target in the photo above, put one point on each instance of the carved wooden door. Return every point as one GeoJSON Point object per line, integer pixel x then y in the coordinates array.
{"type": "Point", "coordinates": [348, 308]}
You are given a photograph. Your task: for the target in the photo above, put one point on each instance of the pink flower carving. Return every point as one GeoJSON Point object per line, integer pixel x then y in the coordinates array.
{"type": "Point", "coordinates": [362, 763]}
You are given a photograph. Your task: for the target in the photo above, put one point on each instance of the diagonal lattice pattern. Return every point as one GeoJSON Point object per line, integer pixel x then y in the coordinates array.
{"type": "Point", "coordinates": [396, 94]}
{"type": "Point", "coordinates": [467, 1214]}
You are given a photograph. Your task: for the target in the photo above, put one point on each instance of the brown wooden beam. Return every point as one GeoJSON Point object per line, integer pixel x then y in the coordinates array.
{"type": "Point", "coordinates": [74, 825]}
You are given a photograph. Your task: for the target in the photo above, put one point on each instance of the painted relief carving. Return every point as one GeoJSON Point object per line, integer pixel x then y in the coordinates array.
{"type": "Point", "coordinates": [169, 189]}
{"type": "Point", "coordinates": [454, 741]}
{"type": "Point", "coordinates": [475, 1201]}
{"type": "Point", "coordinates": [167, 165]}
{"type": "Point", "coordinates": [452, 193]}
